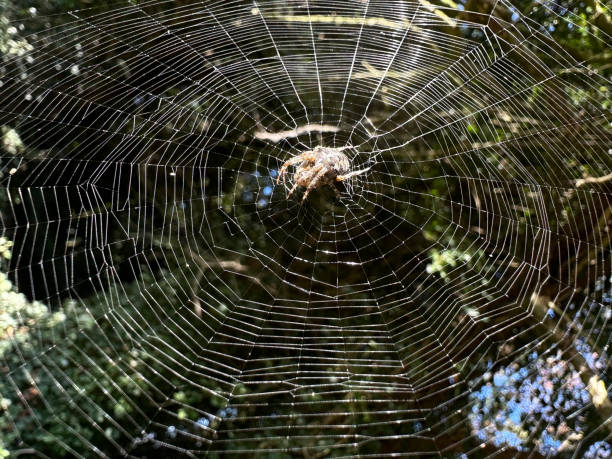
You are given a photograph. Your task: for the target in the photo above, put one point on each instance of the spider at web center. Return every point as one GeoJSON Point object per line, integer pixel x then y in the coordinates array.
{"type": "Point", "coordinates": [321, 166]}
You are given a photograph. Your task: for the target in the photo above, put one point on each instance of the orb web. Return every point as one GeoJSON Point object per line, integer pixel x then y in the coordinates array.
{"type": "Point", "coordinates": [455, 299]}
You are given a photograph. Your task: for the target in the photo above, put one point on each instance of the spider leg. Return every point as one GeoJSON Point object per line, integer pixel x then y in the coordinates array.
{"type": "Point", "coordinates": [313, 183]}
{"type": "Point", "coordinates": [311, 172]}
{"type": "Point", "coordinates": [283, 169]}
{"type": "Point", "coordinates": [304, 157]}
{"type": "Point", "coordinates": [344, 177]}
{"type": "Point", "coordinates": [292, 190]}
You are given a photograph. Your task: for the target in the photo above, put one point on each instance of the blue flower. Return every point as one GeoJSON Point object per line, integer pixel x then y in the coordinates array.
{"type": "Point", "coordinates": [598, 450]}
{"type": "Point", "coordinates": [500, 379]}
{"type": "Point", "coordinates": [549, 445]}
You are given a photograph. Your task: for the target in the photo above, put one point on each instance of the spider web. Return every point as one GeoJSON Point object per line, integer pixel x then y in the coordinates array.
{"type": "Point", "coordinates": [468, 265]}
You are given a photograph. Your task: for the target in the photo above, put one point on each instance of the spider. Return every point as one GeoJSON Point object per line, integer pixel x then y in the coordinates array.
{"type": "Point", "coordinates": [321, 166]}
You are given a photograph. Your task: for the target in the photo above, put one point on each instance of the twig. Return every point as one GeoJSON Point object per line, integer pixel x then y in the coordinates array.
{"type": "Point", "coordinates": [278, 136]}
{"type": "Point", "coordinates": [598, 180]}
